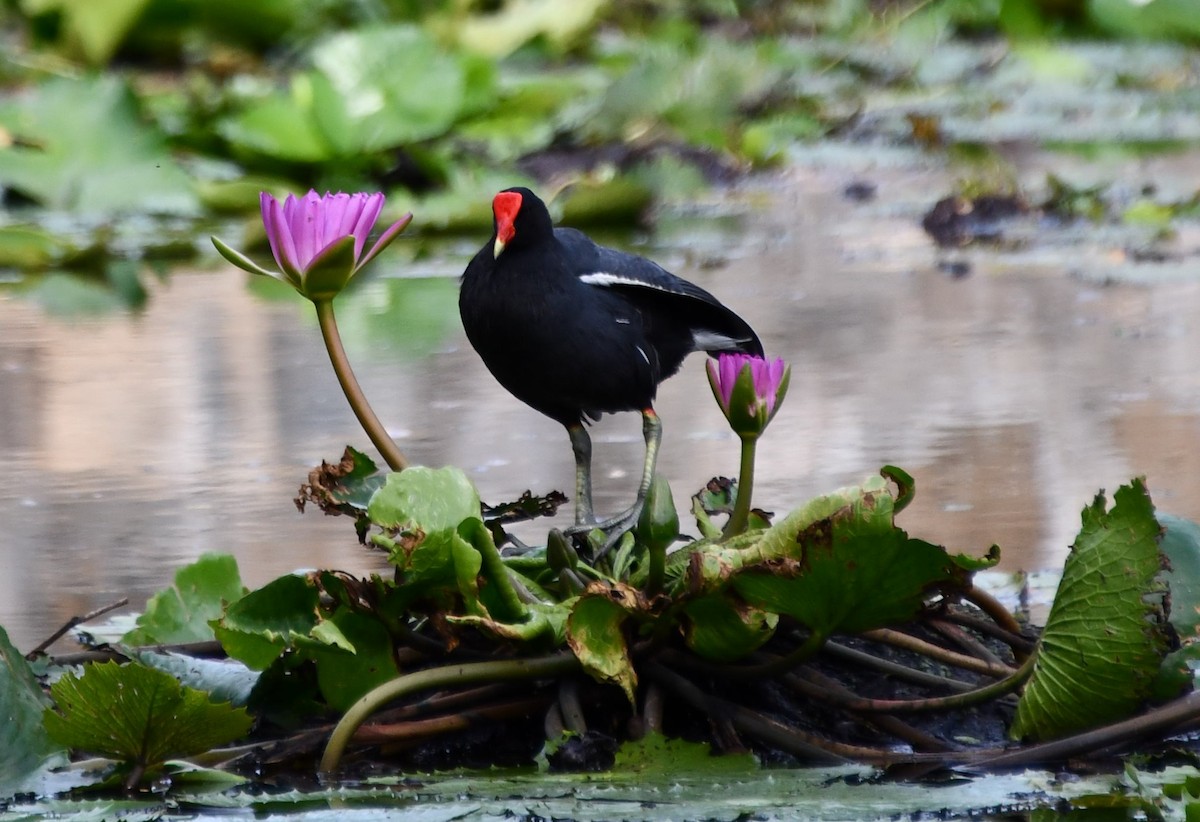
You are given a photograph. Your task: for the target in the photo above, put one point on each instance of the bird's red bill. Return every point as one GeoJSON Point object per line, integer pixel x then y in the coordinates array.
{"type": "Point", "coordinates": [505, 206]}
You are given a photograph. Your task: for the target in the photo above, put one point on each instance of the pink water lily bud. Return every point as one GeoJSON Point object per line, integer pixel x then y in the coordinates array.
{"type": "Point", "coordinates": [749, 390]}
{"type": "Point", "coordinates": [318, 241]}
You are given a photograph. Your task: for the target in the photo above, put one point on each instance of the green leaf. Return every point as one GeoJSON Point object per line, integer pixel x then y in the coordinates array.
{"type": "Point", "coordinates": [409, 317]}
{"type": "Point", "coordinates": [1181, 546]}
{"type": "Point", "coordinates": [345, 676]}
{"type": "Point", "coordinates": [1106, 634]}
{"type": "Point", "coordinates": [26, 744]}
{"type": "Point", "coordinates": [260, 625]}
{"type": "Point", "coordinates": [723, 630]}
{"type": "Point", "coordinates": [182, 613]}
{"type": "Point", "coordinates": [85, 147]}
{"type": "Point", "coordinates": [594, 632]}
{"type": "Point", "coordinates": [138, 715]}
{"type": "Point", "coordinates": [94, 29]}
{"type": "Point", "coordinates": [426, 499]}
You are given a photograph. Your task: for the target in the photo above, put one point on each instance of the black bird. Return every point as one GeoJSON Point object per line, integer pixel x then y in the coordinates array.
{"type": "Point", "coordinates": [576, 330]}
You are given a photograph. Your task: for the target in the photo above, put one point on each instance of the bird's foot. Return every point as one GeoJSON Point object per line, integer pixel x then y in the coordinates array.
{"type": "Point", "coordinates": [613, 528]}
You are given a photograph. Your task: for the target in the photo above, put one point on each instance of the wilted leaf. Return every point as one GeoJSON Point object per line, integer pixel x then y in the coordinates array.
{"type": "Point", "coordinates": [1106, 634]}
{"type": "Point", "coordinates": [182, 613]}
{"type": "Point", "coordinates": [138, 715]}
{"type": "Point", "coordinates": [546, 623]}
{"type": "Point", "coordinates": [838, 563]}
{"type": "Point", "coordinates": [595, 634]}
{"type": "Point", "coordinates": [343, 488]}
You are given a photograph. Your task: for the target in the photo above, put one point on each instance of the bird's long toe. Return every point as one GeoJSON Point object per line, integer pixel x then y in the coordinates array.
{"type": "Point", "coordinates": [613, 528]}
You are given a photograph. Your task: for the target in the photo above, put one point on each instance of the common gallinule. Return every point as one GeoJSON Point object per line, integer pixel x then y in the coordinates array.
{"type": "Point", "coordinates": [576, 330]}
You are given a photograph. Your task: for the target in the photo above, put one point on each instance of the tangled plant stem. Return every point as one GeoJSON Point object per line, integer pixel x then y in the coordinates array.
{"type": "Point", "coordinates": [468, 674]}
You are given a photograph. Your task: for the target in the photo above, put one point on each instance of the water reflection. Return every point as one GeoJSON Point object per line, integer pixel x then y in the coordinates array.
{"type": "Point", "coordinates": [135, 443]}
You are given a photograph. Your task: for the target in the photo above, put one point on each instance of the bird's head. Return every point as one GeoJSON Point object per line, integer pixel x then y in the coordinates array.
{"type": "Point", "coordinates": [519, 217]}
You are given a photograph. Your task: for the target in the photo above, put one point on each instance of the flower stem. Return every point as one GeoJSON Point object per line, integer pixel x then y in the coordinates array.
{"type": "Point", "coordinates": [358, 402]}
{"type": "Point", "coordinates": [745, 488]}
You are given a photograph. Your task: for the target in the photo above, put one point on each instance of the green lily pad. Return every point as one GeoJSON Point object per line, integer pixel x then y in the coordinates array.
{"type": "Point", "coordinates": [85, 147]}
{"type": "Point", "coordinates": [372, 89]}
{"type": "Point", "coordinates": [138, 715]}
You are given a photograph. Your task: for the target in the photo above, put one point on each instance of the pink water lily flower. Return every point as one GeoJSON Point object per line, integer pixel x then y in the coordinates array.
{"type": "Point", "coordinates": [749, 389]}
{"type": "Point", "coordinates": [318, 241]}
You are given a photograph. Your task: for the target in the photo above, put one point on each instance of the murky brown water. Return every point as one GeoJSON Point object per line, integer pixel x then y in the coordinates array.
{"type": "Point", "coordinates": [134, 443]}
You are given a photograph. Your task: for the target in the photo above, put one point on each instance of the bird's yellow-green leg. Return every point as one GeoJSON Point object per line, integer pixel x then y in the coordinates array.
{"type": "Point", "coordinates": [622, 522]}
{"type": "Point", "coordinates": [581, 446]}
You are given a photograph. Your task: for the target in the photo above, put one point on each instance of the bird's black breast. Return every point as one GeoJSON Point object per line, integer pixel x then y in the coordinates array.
{"type": "Point", "coordinates": [563, 347]}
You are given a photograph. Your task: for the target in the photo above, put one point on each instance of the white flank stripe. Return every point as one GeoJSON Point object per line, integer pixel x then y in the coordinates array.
{"type": "Point", "coordinates": [603, 278]}
{"type": "Point", "coordinates": [643, 353]}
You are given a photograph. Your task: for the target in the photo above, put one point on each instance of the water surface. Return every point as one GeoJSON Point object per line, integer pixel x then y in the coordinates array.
{"type": "Point", "coordinates": [136, 441]}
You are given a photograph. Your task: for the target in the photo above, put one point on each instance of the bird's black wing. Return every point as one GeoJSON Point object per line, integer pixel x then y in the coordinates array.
{"type": "Point", "coordinates": [714, 326]}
